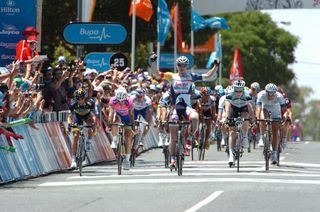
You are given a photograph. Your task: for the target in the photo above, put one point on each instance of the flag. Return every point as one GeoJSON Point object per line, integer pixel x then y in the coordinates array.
{"type": "Point", "coordinates": [179, 31]}
{"type": "Point", "coordinates": [217, 22]}
{"type": "Point", "coordinates": [218, 48]}
{"type": "Point", "coordinates": [212, 57]}
{"type": "Point", "coordinates": [236, 68]}
{"type": "Point", "coordinates": [163, 22]}
{"type": "Point", "coordinates": [144, 9]}
{"type": "Point", "coordinates": [198, 22]}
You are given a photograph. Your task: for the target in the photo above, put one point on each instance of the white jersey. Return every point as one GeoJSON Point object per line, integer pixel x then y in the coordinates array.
{"type": "Point", "coordinates": [222, 101]}
{"type": "Point", "coordinates": [146, 103]}
{"type": "Point", "coordinates": [273, 106]}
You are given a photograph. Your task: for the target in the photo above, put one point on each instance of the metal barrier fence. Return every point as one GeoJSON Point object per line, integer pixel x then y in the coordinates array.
{"type": "Point", "coordinates": [48, 149]}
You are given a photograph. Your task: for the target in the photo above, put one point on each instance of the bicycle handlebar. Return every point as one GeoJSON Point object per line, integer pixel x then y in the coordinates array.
{"type": "Point", "coordinates": [142, 122]}
{"type": "Point", "coordinates": [81, 126]}
{"type": "Point", "coordinates": [179, 122]}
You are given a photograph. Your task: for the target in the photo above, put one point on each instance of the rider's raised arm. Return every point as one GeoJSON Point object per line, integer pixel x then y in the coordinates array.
{"type": "Point", "coordinates": [153, 63]}
{"type": "Point", "coordinates": [212, 73]}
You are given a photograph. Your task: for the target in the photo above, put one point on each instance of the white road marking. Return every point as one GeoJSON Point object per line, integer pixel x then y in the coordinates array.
{"type": "Point", "coordinates": [179, 180]}
{"type": "Point", "coordinates": [307, 142]}
{"type": "Point", "coordinates": [204, 202]}
{"type": "Point", "coordinates": [198, 174]}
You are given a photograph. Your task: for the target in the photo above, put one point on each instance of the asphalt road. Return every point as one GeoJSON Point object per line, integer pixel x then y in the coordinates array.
{"type": "Point", "coordinates": [208, 185]}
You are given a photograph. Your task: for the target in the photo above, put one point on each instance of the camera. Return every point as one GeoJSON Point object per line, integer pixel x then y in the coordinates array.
{"type": "Point", "coordinates": [38, 86]}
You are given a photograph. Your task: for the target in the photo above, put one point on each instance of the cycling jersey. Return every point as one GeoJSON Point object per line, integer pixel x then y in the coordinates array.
{"type": "Point", "coordinates": [221, 103]}
{"type": "Point", "coordinates": [121, 109]}
{"type": "Point", "coordinates": [273, 105]}
{"type": "Point", "coordinates": [181, 86]}
{"type": "Point", "coordinates": [208, 105]}
{"type": "Point", "coordinates": [83, 109]}
{"type": "Point", "coordinates": [238, 102]}
{"type": "Point", "coordinates": [146, 103]}
{"type": "Point", "coordinates": [164, 100]}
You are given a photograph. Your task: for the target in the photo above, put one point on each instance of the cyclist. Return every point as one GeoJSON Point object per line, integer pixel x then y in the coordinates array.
{"type": "Point", "coordinates": [180, 91]}
{"type": "Point", "coordinates": [121, 110]}
{"type": "Point", "coordinates": [286, 117]}
{"type": "Point", "coordinates": [270, 101]}
{"type": "Point", "coordinates": [142, 106]}
{"type": "Point", "coordinates": [162, 114]}
{"type": "Point", "coordinates": [81, 110]}
{"type": "Point", "coordinates": [208, 109]}
{"type": "Point", "coordinates": [254, 90]}
{"type": "Point", "coordinates": [238, 102]}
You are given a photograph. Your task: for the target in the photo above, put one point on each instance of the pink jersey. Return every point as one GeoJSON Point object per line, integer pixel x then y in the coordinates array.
{"type": "Point", "coordinates": [296, 130]}
{"type": "Point", "coordinates": [121, 109]}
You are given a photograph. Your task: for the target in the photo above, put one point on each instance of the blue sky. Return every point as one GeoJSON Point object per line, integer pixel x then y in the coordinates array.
{"type": "Point", "coordinates": [304, 23]}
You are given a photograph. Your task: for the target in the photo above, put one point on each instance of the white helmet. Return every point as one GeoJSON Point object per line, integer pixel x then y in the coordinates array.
{"type": "Point", "coordinates": [255, 85]}
{"type": "Point", "coordinates": [121, 94]}
{"type": "Point", "coordinates": [271, 88]}
{"type": "Point", "coordinates": [182, 60]}
{"type": "Point", "coordinates": [238, 84]}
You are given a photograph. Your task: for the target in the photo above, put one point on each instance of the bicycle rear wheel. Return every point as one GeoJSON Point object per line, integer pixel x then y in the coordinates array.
{"type": "Point", "coordinates": [202, 142]}
{"type": "Point", "coordinates": [134, 151]}
{"type": "Point", "coordinates": [166, 156]}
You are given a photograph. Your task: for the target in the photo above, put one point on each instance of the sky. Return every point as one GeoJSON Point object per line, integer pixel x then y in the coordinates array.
{"type": "Point", "coordinates": [303, 23]}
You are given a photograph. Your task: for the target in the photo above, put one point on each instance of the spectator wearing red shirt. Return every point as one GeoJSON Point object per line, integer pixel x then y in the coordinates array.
{"type": "Point", "coordinates": [29, 31]}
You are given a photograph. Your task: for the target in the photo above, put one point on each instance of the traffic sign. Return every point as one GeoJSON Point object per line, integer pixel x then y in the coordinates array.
{"type": "Point", "coordinates": [167, 60]}
{"type": "Point", "coordinates": [94, 33]}
{"type": "Point", "coordinates": [99, 61]}
{"type": "Point", "coordinates": [119, 61]}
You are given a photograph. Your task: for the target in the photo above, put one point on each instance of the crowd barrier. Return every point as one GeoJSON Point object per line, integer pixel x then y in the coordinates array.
{"type": "Point", "coordinates": [47, 149]}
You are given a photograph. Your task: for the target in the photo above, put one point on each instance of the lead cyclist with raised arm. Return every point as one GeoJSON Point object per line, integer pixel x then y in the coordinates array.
{"type": "Point", "coordinates": [180, 91]}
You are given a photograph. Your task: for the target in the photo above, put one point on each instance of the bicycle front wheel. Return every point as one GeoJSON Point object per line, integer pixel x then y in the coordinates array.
{"type": "Point", "coordinates": [119, 155]}
{"type": "Point", "coordinates": [81, 154]}
{"type": "Point", "coordinates": [267, 151]}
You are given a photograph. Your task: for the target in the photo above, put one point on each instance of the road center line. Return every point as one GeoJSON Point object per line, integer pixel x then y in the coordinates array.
{"type": "Point", "coordinates": [204, 202]}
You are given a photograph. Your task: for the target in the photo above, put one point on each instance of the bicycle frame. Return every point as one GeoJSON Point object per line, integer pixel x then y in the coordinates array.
{"type": "Point", "coordinates": [120, 146]}
{"type": "Point", "coordinates": [180, 143]}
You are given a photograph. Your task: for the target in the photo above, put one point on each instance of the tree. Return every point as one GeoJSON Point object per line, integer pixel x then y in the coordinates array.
{"type": "Point", "coordinates": [266, 50]}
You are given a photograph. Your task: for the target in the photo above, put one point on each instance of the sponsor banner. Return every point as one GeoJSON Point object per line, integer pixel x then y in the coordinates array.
{"type": "Point", "coordinates": [210, 7]}
{"type": "Point", "coordinates": [99, 61]}
{"type": "Point", "coordinates": [15, 16]}
{"type": "Point", "coordinates": [94, 33]}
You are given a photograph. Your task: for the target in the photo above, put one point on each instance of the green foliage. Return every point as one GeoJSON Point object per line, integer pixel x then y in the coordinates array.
{"type": "Point", "coordinates": [311, 117]}
{"type": "Point", "coordinates": [265, 49]}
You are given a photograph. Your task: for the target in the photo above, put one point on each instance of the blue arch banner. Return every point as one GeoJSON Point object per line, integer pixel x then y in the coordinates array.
{"type": "Point", "coordinates": [15, 16]}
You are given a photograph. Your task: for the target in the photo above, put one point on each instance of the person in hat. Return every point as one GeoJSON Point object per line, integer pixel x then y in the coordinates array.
{"type": "Point", "coordinates": [29, 31]}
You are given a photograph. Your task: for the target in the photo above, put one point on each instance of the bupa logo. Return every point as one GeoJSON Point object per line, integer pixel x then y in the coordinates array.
{"type": "Point", "coordinates": [95, 34]}
{"type": "Point", "coordinates": [10, 3]}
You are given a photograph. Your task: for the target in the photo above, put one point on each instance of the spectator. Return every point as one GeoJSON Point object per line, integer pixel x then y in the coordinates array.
{"type": "Point", "coordinates": [296, 131]}
{"type": "Point", "coordinates": [29, 31]}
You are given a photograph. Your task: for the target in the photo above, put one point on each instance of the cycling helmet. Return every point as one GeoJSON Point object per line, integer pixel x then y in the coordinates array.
{"type": "Point", "coordinates": [121, 94]}
{"type": "Point", "coordinates": [219, 90]}
{"type": "Point", "coordinates": [255, 86]}
{"type": "Point", "coordinates": [205, 91]}
{"type": "Point", "coordinates": [271, 88]}
{"type": "Point", "coordinates": [140, 92]}
{"type": "Point", "coordinates": [80, 93]}
{"type": "Point", "coordinates": [182, 60]}
{"type": "Point", "coordinates": [238, 84]}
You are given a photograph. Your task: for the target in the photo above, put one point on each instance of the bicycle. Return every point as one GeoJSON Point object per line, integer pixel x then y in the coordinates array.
{"type": "Point", "coordinates": [266, 148]}
{"type": "Point", "coordinates": [136, 140]}
{"type": "Point", "coordinates": [81, 153]}
{"type": "Point", "coordinates": [120, 151]}
{"type": "Point", "coordinates": [238, 150]}
{"type": "Point", "coordinates": [165, 147]}
{"type": "Point", "coordinates": [180, 144]}
{"type": "Point", "coordinates": [203, 137]}
{"type": "Point", "coordinates": [218, 135]}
